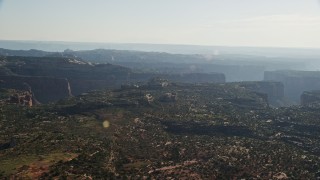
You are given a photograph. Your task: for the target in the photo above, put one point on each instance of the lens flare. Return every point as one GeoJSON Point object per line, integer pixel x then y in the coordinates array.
{"type": "Point", "coordinates": [106, 124]}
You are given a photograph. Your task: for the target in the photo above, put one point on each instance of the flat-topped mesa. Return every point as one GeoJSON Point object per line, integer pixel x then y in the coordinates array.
{"type": "Point", "coordinates": [310, 97]}
{"type": "Point", "coordinates": [197, 78]}
{"type": "Point", "coordinates": [181, 78]}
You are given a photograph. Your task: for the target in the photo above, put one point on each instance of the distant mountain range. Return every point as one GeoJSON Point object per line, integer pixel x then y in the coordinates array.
{"type": "Point", "coordinates": [169, 48]}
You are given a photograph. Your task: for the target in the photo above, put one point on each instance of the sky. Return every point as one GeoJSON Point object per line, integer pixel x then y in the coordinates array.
{"type": "Point", "coordinates": [268, 23]}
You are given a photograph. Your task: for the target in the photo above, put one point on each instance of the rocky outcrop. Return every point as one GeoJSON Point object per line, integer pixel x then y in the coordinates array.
{"type": "Point", "coordinates": [19, 97]}
{"type": "Point", "coordinates": [44, 89]}
{"type": "Point", "coordinates": [24, 99]}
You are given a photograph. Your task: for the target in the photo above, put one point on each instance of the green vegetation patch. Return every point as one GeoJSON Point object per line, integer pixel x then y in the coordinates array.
{"type": "Point", "coordinates": [27, 162]}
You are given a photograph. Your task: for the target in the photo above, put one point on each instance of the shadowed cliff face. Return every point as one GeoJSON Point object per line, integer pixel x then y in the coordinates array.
{"type": "Point", "coordinates": [273, 90]}
{"type": "Point", "coordinates": [49, 76]}
{"type": "Point", "coordinates": [310, 97]}
{"type": "Point", "coordinates": [53, 78]}
{"type": "Point", "coordinates": [295, 82]}
{"type": "Point", "coordinates": [45, 89]}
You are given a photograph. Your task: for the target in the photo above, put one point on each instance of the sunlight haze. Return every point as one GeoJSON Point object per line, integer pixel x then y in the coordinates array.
{"type": "Point", "coordinates": [274, 23]}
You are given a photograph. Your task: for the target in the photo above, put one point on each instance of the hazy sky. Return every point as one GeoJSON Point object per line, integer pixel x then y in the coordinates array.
{"type": "Point", "coordinates": [286, 23]}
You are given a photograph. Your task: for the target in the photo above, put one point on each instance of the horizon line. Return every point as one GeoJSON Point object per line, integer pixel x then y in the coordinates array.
{"type": "Point", "coordinates": [167, 44]}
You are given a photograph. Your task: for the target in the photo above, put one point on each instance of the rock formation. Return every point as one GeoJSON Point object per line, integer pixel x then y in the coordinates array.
{"type": "Point", "coordinates": [24, 99]}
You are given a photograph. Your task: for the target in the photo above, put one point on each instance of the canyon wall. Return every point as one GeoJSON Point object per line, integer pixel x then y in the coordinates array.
{"type": "Point", "coordinates": [295, 82]}
{"type": "Point", "coordinates": [45, 89]}
{"type": "Point", "coordinates": [274, 90]}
